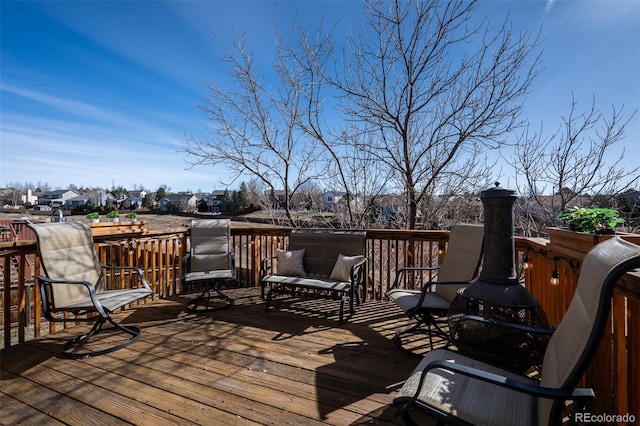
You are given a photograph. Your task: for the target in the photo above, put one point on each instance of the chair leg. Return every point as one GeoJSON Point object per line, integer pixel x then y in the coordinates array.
{"type": "Point", "coordinates": [403, 414]}
{"type": "Point", "coordinates": [269, 298]}
{"type": "Point", "coordinates": [72, 348]}
{"type": "Point", "coordinates": [397, 338]}
{"type": "Point", "coordinates": [419, 328]}
{"type": "Point", "coordinates": [438, 331]}
{"type": "Point", "coordinates": [205, 298]}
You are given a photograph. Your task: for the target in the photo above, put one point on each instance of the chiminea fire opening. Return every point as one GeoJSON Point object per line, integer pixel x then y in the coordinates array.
{"type": "Point", "coordinates": [498, 296]}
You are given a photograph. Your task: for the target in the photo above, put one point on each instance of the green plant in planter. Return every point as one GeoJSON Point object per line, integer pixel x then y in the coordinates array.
{"type": "Point", "coordinates": [596, 220]}
{"type": "Point", "coordinates": [113, 214]}
{"type": "Point", "coordinates": [132, 215]}
{"type": "Point", "coordinates": [93, 215]}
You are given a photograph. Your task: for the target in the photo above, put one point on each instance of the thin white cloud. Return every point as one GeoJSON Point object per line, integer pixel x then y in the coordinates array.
{"type": "Point", "coordinates": [63, 152]}
{"type": "Point", "coordinates": [117, 122]}
{"type": "Point", "coordinates": [549, 6]}
{"type": "Point", "coordinates": [73, 107]}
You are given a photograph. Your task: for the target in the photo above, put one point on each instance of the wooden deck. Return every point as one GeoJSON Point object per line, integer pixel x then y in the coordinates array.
{"type": "Point", "coordinates": [293, 366]}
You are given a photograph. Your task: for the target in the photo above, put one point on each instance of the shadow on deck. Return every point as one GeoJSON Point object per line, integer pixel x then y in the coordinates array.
{"type": "Point", "coordinates": [295, 365]}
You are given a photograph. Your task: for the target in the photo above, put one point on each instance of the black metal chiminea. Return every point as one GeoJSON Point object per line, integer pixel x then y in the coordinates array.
{"type": "Point", "coordinates": [498, 295]}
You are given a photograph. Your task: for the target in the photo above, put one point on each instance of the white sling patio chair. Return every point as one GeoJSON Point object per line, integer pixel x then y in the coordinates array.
{"type": "Point", "coordinates": [457, 389]}
{"type": "Point", "coordinates": [430, 308]}
{"type": "Point", "coordinates": [210, 260]}
{"type": "Point", "coordinates": [74, 282]}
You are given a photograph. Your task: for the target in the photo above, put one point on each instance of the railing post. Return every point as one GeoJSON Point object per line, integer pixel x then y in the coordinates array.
{"type": "Point", "coordinates": [22, 311]}
{"type": "Point", "coordinates": [255, 258]}
{"type": "Point", "coordinates": [6, 280]}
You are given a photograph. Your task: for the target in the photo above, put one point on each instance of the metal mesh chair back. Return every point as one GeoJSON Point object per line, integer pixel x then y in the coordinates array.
{"type": "Point", "coordinates": [67, 253]}
{"type": "Point", "coordinates": [464, 252]}
{"type": "Point", "coordinates": [210, 244]}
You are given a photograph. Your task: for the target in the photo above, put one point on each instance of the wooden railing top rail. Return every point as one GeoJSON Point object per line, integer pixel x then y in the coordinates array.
{"type": "Point", "coordinates": [629, 284]}
{"type": "Point", "coordinates": [7, 247]}
{"type": "Point", "coordinates": [403, 234]}
{"type": "Point", "coordinates": [539, 245]}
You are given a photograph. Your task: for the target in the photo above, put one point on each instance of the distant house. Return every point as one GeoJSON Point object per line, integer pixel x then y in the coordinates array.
{"type": "Point", "coordinates": [392, 208]}
{"type": "Point", "coordinates": [215, 200]}
{"type": "Point", "coordinates": [389, 212]}
{"type": "Point", "coordinates": [101, 197]}
{"type": "Point", "coordinates": [56, 198]}
{"type": "Point", "coordinates": [107, 198]}
{"type": "Point", "coordinates": [29, 198]}
{"type": "Point", "coordinates": [138, 194]}
{"type": "Point", "coordinates": [134, 199]}
{"type": "Point", "coordinates": [77, 201]}
{"type": "Point", "coordinates": [178, 202]}
{"type": "Point", "coordinates": [331, 200]}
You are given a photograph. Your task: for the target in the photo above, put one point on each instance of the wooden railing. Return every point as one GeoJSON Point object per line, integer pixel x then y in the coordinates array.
{"type": "Point", "coordinates": [613, 374]}
{"type": "Point", "coordinates": [14, 230]}
{"type": "Point", "coordinates": [159, 254]}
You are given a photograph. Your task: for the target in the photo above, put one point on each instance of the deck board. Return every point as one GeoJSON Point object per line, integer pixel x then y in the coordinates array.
{"type": "Point", "coordinates": [294, 365]}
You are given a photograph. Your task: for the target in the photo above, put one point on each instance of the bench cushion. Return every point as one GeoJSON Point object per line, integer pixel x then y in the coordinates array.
{"type": "Point", "coordinates": [311, 283]}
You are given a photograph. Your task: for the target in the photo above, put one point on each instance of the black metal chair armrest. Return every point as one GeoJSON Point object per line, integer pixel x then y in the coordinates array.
{"type": "Point", "coordinates": [264, 265]}
{"type": "Point", "coordinates": [400, 271]}
{"type": "Point", "coordinates": [356, 273]}
{"type": "Point", "coordinates": [49, 302]}
{"type": "Point", "coordinates": [425, 288]}
{"type": "Point", "coordinates": [357, 269]}
{"type": "Point", "coordinates": [138, 271]}
{"type": "Point", "coordinates": [511, 325]}
{"type": "Point", "coordinates": [232, 255]}
{"type": "Point", "coordinates": [496, 379]}
{"type": "Point", "coordinates": [186, 265]}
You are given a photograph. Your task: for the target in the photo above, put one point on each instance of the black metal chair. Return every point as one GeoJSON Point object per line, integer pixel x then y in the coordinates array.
{"type": "Point", "coordinates": [210, 260]}
{"type": "Point", "coordinates": [457, 389]}
{"type": "Point", "coordinates": [428, 307]}
{"type": "Point", "coordinates": [75, 282]}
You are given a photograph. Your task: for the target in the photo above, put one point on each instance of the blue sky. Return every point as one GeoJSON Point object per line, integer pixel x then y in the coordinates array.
{"type": "Point", "coordinates": [101, 93]}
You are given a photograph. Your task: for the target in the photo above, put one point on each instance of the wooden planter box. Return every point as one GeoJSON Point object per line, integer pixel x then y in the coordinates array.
{"type": "Point", "coordinates": [129, 228]}
{"type": "Point", "coordinates": [582, 241]}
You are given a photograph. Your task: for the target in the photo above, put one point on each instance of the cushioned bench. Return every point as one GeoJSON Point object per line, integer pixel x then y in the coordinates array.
{"type": "Point", "coordinates": [318, 264]}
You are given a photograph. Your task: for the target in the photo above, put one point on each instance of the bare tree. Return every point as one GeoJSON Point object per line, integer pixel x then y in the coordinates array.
{"type": "Point", "coordinates": [569, 167]}
{"type": "Point", "coordinates": [365, 182]}
{"type": "Point", "coordinates": [12, 193]}
{"type": "Point", "coordinates": [252, 127]}
{"type": "Point", "coordinates": [433, 90]}
{"type": "Point", "coordinates": [422, 94]}
{"type": "Point", "coordinates": [348, 171]}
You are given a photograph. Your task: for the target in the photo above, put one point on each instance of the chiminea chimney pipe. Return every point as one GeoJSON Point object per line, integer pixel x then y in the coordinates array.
{"type": "Point", "coordinates": [499, 247]}
{"type": "Point", "coordinates": [496, 294]}
{"type": "Point", "coordinates": [498, 283]}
